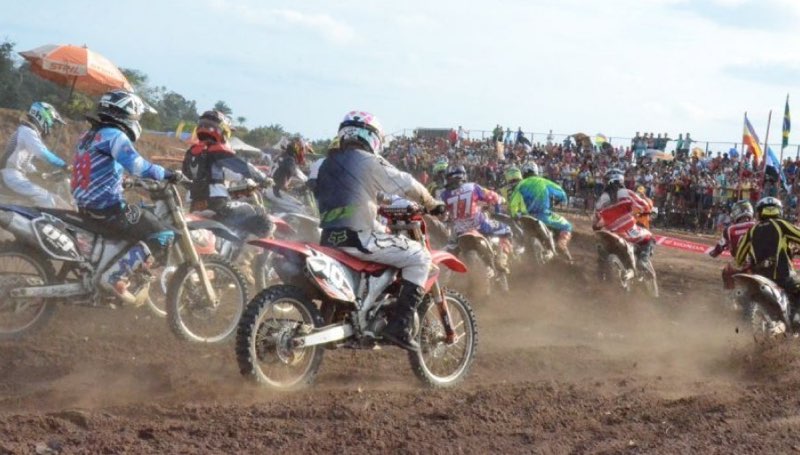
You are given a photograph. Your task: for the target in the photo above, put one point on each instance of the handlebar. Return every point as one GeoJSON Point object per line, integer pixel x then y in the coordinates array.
{"type": "Point", "coordinates": [154, 186]}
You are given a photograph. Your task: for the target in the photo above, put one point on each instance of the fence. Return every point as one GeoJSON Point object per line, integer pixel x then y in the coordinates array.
{"type": "Point", "coordinates": [616, 141]}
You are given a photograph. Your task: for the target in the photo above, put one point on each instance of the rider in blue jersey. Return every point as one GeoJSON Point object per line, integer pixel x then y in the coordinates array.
{"type": "Point", "coordinates": [102, 155]}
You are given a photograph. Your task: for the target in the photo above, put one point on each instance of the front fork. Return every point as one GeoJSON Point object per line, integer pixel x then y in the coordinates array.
{"type": "Point", "coordinates": [190, 253]}
{"type": "Point", "coordinates": [444, 313]}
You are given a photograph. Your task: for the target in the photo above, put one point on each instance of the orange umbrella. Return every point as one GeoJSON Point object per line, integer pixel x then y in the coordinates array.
{"type": "Point", "coordinates": [76, 67]}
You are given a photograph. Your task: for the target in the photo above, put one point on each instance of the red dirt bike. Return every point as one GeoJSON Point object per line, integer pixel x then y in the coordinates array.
{"type": "Point", "coordinates": [283, 332]}
{"type": "Point", "coordinates": [622, 267]}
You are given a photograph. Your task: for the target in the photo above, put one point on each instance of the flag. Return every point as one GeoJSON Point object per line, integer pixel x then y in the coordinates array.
{"type": "Point", "coordinates": [179, 129]}
{"type": "Point", "coordinates": [787, 124]}
{"type": "Point", "coordinates": [774, 168]}
{"type": "Point", "coordinates": [750, 140]}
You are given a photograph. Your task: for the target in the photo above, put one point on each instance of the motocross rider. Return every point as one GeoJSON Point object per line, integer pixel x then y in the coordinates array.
{"type": "Point", "coordinates": [209, 163]}
{"type": "Point", "coordinates": [533, 196]}
{"type": "Point", "coordinates": [103, 152]}
{"type": "Point", "coordinates": [466, 214]}
{"type": "Point", "coordinates": [439, 178]}
{"type": "Point", "coordinates": [615, 211]}
{"type": "Point", "coordinates": [742, 221]}
{"type": "Point", "coordinates": [25, 145]}
{"type": "Point", "coordinates": [765, 247]}
{"type": "Point", "coordinates": [512, 177]}
{"type": "Point", "coordinates": [288, 168]}
{"type": "Point", "coordinates": [348, 184]}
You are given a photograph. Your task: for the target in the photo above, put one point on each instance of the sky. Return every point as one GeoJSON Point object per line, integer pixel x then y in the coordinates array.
{"type": "Point", "coordinates": [595, 66]}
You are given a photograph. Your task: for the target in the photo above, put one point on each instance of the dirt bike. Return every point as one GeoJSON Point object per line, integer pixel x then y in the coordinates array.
{"type": "Point", "coordinates": [58, 180]}
{"type": "Point", "coordinates": [532, 238]}
{"type": "Point", "coordinates": [765, 306]}
{"type": "Point", "coordinates": [283, 332]}
{"type": "Point", "coordinates": [58, 255]}
{"type": "Point", "coordinates": [622, 266]}
{"type": "Point", "coordinates": [487, 263]}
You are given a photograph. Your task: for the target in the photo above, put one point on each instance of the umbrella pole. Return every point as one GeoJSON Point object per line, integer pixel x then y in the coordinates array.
{"type": "Point", "coordinates": [72, 89]}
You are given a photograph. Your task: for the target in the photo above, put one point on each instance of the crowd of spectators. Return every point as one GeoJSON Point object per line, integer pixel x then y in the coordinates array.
{"type": "Point", "coordinates": [692, 189]}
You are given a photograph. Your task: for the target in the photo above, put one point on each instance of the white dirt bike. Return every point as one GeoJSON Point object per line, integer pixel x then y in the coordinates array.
{"type": "Point", "coordinates": [57, 257]}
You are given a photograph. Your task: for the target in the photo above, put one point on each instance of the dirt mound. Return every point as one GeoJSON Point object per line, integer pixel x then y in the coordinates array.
{"type": "Point", "coordinates": [64, 139]}
{"type": "Point", "coordinates": [563, 366]}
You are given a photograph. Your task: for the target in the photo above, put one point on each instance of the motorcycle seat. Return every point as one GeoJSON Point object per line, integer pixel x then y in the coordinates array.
{"type": "Point", "coordinates": [84, 222]}
{"type": "Point", "coordinates": [352, 262]}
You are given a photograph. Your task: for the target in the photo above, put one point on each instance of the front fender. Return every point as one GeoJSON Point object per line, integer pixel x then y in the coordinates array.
{"type": "Point", "coordinates": [448, 260]}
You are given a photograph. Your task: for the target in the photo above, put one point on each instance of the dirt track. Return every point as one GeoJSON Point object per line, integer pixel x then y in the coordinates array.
{"type": "Point", "coordinates": [562, 367]}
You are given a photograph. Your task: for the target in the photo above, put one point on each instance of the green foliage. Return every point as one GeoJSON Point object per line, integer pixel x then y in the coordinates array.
{"type": "Point", "coordinates": [19, 87]}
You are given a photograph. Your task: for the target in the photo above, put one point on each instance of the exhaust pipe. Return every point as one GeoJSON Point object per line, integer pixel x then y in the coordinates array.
{"type": "Point", "coordinates": [21, 227]}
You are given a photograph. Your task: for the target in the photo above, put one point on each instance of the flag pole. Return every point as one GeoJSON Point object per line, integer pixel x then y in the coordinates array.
{"type": "Point", "coordinates": [741, 166]}
{"type": "Point", "coordinates": [766, 152]}
{"type": "Point", "coordinates": [783, 141]}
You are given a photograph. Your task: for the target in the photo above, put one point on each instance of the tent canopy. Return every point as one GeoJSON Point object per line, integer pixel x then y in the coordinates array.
{"type": "Point", "coordinates": [241, 146]}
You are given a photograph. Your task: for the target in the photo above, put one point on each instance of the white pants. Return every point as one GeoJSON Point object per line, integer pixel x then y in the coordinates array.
{"type": "Point", "coordinates": [17, 182]}
{"type": "Point", "coordinates": [400, 252]}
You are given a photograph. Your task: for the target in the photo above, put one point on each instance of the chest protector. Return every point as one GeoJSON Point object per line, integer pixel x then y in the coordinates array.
{"type": "Point", "coordinates": [198, 165]}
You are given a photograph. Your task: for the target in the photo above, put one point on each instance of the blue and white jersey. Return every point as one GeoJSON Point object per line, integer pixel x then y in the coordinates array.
{"type": "Point", "coordinates": [99, 164]}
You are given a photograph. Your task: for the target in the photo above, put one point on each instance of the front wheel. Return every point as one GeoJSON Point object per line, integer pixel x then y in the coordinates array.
{"type": "Point", "coordinates": [264, 341]}
{"type": "Point", "coordinates": [191, 316]}
{"type": "Point", "coordinates": [438, 363]}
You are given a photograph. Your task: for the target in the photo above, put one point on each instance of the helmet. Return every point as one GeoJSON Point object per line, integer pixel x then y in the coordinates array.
{"type": "Point", "coordinates": [440, 167]}
{"type": "Point", "coordinates": [214, 126]}
{"type": "Point", "coordinates": [44, 116]}
{"type": "Point", "coordinates": [741, 209]}
{"type": "Point", "coordinates": [530, 169]}
{"type": "Point", "coordinates": [769, 207]}
{"type": "Point", "coordinates": [614, 176]}
{"type": "Point", "coordinates": [640, 189]}
{"type": "Point", "coordinates": [456, 175]}
{"type": "Point", "coordinates": [297, 148]}
{"type": "Point", "coordinates": [124, 109]}
{"type": "Point", "coordinates": [513, 174]}
{"type": "Point", "coordinates": [364, 128]}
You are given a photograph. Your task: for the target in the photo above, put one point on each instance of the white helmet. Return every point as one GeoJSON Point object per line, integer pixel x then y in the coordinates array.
{"type": "Point", "coordinates": [124, 109]}
{"type": "Point", "coordinates": [530, 169]}
{"type": "Point", "coordinates": [364, 128]}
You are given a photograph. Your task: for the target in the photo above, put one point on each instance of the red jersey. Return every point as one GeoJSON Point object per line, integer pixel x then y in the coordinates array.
{"type": "Point", "coordinates": [730, 238]}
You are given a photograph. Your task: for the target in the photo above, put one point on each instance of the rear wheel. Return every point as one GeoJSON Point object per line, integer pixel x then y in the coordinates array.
{"type": "Point", "coordinates": [191, 316]}
{"type": "Point", "coordinates": [618, 272]}
{"type": "Point", "coordinates": [438, 363]}
{"type": "Point", "coordinates": [264, 348]}
{"type": "Point", "coordinates": [20, 266]}
{"type": "Point", "coordinates": [478, 275]}
{"type": "Point", "coordinates": [764, 327]}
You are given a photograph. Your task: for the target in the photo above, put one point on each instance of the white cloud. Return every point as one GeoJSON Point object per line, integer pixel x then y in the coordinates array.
{"type": "Point", "coordinates": [323, 24]}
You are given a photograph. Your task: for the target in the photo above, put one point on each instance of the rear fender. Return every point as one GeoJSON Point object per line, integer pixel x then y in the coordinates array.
{"type": "Point", "coordinates": [615, 244]}
{"type": "Point", "coordinates": [219, 229]}
{"type": "Point", "coordinates": [770, 296]}
{"type": "Point", "coordinates": [281, 226]}
{"type": "Point", "coordinates": [448, 260]}
{"type": "Point", "coordinates": [477, 242]}
{"type": "Point", "coordinates": [539, 230]}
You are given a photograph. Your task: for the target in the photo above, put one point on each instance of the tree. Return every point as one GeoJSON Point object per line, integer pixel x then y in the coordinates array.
{"type": "Point", "coordinates": [240, 121]}
{"type": "Point", "coordinates": [223, 107]}
{"type": "Point", "coordinates": [264, 136]}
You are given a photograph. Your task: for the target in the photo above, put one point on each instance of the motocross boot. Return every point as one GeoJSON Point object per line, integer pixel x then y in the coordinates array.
{"type": "Point", "coordinates": [562, 245]}
{"type": "Point", "coordinates": [115, 278]}
{"type": "Point", "coordinates": [400, 329]}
